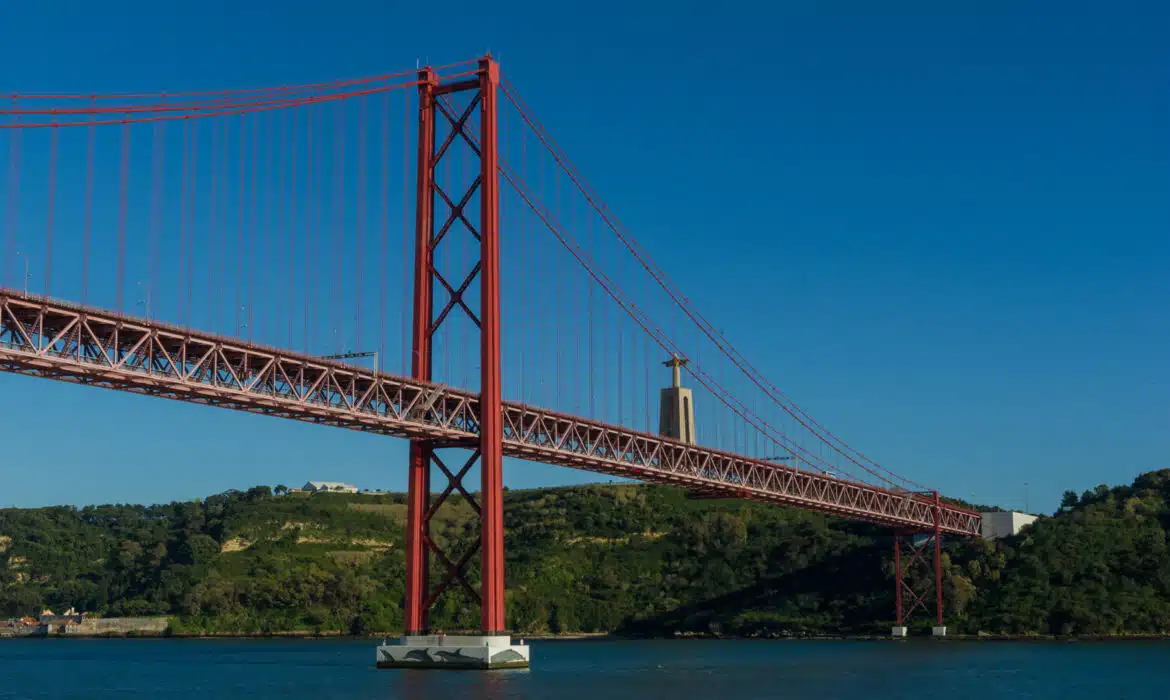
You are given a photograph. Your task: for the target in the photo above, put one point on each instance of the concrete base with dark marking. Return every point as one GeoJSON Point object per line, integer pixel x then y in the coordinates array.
{"type": "Point", "coordinates": [453, 652]}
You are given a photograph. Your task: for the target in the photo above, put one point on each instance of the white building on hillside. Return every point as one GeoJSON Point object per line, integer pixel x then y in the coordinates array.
{"type": "Point", "coordinates": [328, 487]}
{"type": "Point", "coordinates": [997, 525]}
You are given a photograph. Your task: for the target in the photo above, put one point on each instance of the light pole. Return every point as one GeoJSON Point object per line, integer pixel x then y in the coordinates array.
{"type": "Point", "coordinates": [145, 302]}
{"type": "Point", "coordinates": [353, 355]}
{"type": "Point", "coordinates": [22, 255]}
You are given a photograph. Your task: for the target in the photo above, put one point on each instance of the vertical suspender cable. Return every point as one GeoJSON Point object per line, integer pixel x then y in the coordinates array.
{"type": "Point", "coordinates": [589, 303]}
{"type": "Point", "coordinates": [445, 253]}
{"type": "Point", "coordinates": [465, 264]}
{"type": "Point", "coordinates": [525, 272]}
{"type": "Point", "coordinates": [575, 273]}
{"type": "Point", "coordinates": [156, 199]}
{"type": "Point", "coordinates": [123, 196]}
{"type": "Point", "coordinates": [545, 295]}
{"type": "Point", "coordinates": [321, 228]}
{"type": "Point", "coordinates": [51, 207]}
{"type": "Point", "coordinates": [278, 250]}
{"type": "Point", "coordinates": [404, 303]}
{"type": "Point", "coordinates": [12, 220]}
{"type": "Point", "coordinates": [191, 223]}
{"type": "Point", "coordinates": [240, 227]}
{"type": "Point", "coordinates": [384, 234]}
{"type": "Point", "coordinates": [525, 269]}
{"type": "Point", "coordinates": [255, 172]}
{"type": "Point", "coordinates": [87, 235]}
{"type": "Point", "coordinates": [338, 218]}
{"type": "Point", "coordinates": [310, 208]}
{"type": "Point", "coordinates": [184, 184]}
{"type": "Point", "coordinates": [359, 253]}
{"type": "Point", "coordinates": [224, 223]}
{"type": "Point", "coordinates": [212, 228]}
{"type": "Point", "coordinates": [646, 369]}
{"type": "Point", "coordinates": [620, 363]}
{"type": "Point", "coordinates": [605, 350]}
{"type": "Point", "coordinates": [14, 147]}
{"type": "Point", "coordinates": [266, 253]}
{"type": "Point", "coordinates": [559, 300]}
{"type": "Point", "coordinates": [292, 230]}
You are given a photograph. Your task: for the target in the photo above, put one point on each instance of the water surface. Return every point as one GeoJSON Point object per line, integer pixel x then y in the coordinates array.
{"type": "Point", "coordinates": [593, 670]}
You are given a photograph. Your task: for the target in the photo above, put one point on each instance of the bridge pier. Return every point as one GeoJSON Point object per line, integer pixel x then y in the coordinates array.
{"type": "Point", "coordinates": [453, 652]}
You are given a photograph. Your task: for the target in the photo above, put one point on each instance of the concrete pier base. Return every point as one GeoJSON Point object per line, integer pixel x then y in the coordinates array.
{"type": "Point", "coordinates": [453, 652]}
{"type": "Point", "coordinates": [898, 632]}
{"type": "Point", "coordinates": [938, 631]}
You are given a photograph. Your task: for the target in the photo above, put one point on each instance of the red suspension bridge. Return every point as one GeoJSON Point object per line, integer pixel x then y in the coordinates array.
{"type": "Point", "coordinates": [182, 245]}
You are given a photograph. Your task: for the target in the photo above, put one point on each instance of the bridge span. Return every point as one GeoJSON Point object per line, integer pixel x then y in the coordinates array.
{"type": "Point", "coordinates": [84, 345]}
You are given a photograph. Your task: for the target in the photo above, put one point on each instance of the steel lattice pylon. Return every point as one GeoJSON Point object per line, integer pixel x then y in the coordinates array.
{"type": "Point", "coordinates": [489, 445]}
{"type": "Point", "coordinates": [924, 554]}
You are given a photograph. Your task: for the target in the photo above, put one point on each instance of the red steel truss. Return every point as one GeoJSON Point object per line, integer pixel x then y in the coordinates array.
{"type": "Point", "coordinates": [925, 554]}
{"type": "Point", "coordinates": [46, 338]}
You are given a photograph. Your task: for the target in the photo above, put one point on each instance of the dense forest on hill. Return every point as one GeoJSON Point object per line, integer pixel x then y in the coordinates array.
{"type": "Point", "coordinates": [633, 559]}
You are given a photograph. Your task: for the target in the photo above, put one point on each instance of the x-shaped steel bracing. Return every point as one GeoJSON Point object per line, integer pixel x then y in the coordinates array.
{"type": "Point", "coordinates": [910, 598]}
{"type": "Point", "coordinates": [455, 212]}
{"type": "Point", "coordinates": [457, 569]}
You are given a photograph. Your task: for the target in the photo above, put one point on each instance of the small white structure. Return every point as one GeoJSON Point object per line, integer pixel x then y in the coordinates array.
{"type": "Point", "coordinates": [901, 631]}
{"type": "Point", "coordinates": [454, 652]}
{"type": "Point", "coordinates": [1004, 524]}
{"type": "Point", "coordinates": [328, 487]}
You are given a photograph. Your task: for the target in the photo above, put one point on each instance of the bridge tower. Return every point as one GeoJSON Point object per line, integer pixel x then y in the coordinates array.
{"type": "Point", "coordinates": [918, 573]}
{"type": "Point", "coordinates": [493, 648]}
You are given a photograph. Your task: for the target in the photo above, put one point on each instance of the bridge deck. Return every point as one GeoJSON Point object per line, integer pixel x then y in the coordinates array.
{"type": "Point", "coordinates": [67, 342]}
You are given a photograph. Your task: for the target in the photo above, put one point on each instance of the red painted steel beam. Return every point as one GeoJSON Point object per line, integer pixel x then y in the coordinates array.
{"type": "Point", "coordinates": [85, 345]}
{"type": "Point", "coordinates": [419, 478]}
{"type": "Point", "coordinates": [491, 413]}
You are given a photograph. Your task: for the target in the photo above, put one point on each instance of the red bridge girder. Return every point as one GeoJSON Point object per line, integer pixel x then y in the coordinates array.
{"type": "Point", "coordinates": [47, 338]}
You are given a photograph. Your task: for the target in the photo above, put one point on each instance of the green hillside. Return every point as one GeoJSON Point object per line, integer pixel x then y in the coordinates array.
{"type": "Point", "coordinates": [633, 559]}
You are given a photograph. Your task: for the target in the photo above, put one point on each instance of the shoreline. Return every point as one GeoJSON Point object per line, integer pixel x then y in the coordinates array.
{"type": "Point", "coordinates": [324, 635]}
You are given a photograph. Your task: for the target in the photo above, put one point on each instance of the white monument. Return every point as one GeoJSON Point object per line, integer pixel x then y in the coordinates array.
{"type": "Point", "coordinates": [676, 415]}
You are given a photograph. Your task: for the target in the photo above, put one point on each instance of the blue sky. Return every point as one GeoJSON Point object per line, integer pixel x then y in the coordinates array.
{"type": "Point", "coordinates": [944, 228]}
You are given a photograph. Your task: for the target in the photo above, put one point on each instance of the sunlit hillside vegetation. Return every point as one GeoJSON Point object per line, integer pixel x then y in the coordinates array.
{"type": "Point", "coordinates": [632, 559]}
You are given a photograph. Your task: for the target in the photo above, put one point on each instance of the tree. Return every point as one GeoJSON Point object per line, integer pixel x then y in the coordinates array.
{"type": "Point", "coordinates": [196, 549]}
{"type": "Point", "coordinates": [280, 490]}
{"type": "Point", "coordinates": [1069, 500]}
{"type": "Point", "coordinates": [257, 493]}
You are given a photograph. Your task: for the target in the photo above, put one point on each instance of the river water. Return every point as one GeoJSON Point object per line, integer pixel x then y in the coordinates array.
{"type": "Point", "coordinates": [596, 670]}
